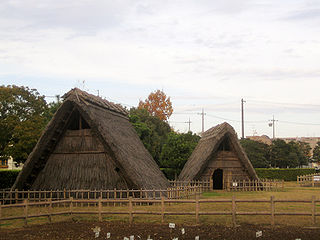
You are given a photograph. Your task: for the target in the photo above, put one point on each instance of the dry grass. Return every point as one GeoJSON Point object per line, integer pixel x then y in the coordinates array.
{"type": "Point", "coordinates": [291, 191]}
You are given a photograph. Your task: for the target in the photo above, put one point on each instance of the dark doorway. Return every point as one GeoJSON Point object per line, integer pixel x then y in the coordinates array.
{"type": "Point", "coordinates": [217, 179]}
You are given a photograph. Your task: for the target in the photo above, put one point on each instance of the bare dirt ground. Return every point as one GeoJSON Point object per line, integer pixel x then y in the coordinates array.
{"type": "Point", "coordinates": [119, 230]}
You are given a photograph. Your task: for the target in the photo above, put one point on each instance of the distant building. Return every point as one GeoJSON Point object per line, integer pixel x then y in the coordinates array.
{"type": "Point", "coordinates": [264, 139]}
{"type": "Point", "coordinates": [311, 140]}
{"type": "Point", "coordinates": [3, 163]}
{"type": "Point", "coordinates": [9, 164]}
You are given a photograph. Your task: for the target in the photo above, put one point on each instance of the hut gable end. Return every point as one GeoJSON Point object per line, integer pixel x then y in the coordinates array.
{"type": "Point", "coordinates": [89, 144]}
{"type": "Point", "coordinates": [78, 161]}
{"type": "Point", "coordinates": [218, 151]}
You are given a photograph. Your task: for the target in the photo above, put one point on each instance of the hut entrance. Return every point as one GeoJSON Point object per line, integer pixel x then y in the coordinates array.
{"type": "Point", "coordinates": [217, 179]}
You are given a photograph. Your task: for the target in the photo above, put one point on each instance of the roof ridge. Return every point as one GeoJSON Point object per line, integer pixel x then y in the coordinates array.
{"type": "Point", "coordinates": [96, 100]}
{"type": "Point", "coordinates": [211, 132]}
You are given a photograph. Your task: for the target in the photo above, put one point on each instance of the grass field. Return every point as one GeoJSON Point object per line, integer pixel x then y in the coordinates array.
{"type": "Point", "coordinates": [291, 191]}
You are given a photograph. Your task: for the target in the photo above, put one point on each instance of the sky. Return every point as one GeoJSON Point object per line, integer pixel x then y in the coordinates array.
{"type": "Point", "coordinates": [203, 54]}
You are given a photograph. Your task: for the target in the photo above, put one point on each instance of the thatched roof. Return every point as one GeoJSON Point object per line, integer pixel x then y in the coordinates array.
{"type": "Point", "coordinates": [109, 123]}
{"type": "Point", "coordinates": [207, 148]}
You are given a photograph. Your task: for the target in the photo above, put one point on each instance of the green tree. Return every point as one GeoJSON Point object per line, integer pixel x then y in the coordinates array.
{"type": "Point", "coordinates": [176, 151]}
{"type": "Point", "coordinates": [257, 152]}
{"type": "Point", "coordinates": [316, 152]}
{"type": "Point", "coordinates": [284, 155]}
{"type": "Point", "coordinates": [22, 119]}
{"type": "Point", "coordinates": [152, 131]}
{"type": "Point", "coordinates": [304, 153]}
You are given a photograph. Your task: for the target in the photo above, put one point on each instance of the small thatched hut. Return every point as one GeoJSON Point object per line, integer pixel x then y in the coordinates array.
{"type": "Point", "coordinates": [89, 144]}
{"type": "Point", "coordinates": [218, 157]}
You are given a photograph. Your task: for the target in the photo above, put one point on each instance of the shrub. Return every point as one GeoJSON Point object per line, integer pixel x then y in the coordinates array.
{"type": "Point", "coordinates": [287, 174]}
{"type": "Point", "coordinates": [7, 178]}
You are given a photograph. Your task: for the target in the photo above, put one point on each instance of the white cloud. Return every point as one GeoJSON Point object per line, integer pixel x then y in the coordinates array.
{"type": "Point", "coordinates": [225, 49]}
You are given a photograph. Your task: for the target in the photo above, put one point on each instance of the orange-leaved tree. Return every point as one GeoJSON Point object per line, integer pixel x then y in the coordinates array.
{"type": "Point", "coordinates": [158, 104]}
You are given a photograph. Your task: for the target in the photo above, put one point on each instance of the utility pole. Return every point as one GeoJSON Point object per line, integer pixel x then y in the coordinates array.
{"type": "Point", "coordinates": [242, 117]}
{"type": "Point", "coordinates": [58, 98]}
{"type": "Point", "coordinates": [189, 122]}
{"type": "Point", "coordinates": [272, 124]}
{"type": "Point", "coordinates": [202, 113]}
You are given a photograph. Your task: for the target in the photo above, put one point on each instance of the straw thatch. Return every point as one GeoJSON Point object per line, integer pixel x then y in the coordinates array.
{"type": "Point", "coordinates": [219, 148]}
{"type": "Point", "coordinates": [90, 144]}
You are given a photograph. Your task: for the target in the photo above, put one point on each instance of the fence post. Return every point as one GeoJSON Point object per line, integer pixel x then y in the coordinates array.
{"type": "Point", "coordinates": [197, 209]}
{"type": "Point", "coordinates": [71, 205]}
{"type": "Point", "coordinates": [50, 210]}
{"type": "Point", "coordinates": [313, 210]}
{"type": "Point", "coordinates": [312, 181]}
{"type": "Point", "coordinates": [130, 210]}
{"type": "Point", "coordinates": [0, 214]}
{"type": "Point", "coordinates": [140, 196]}
{"type": "Point", "coordinates": [25, 212]}
{"type": "Point", "coordinates": [272, 209]}
{"type": "Point", "coordinates": [100, 208]}
{"type": "Point", "coordinates": [234, 209]}
{"type": "Point", "coordinates": [162, 209]}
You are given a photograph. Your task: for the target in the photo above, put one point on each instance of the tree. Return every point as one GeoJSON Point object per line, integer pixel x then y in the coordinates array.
{"type": "Point", "coordinates": [258, 153]}
{"type": "Point", "coordinates": [284, 155]}
{"type": "Point", "coordinates": [158, 104]}
{"type": "Point", "coordinates": [22, 120]}
{"type": "Point", "coordinates": [176, 151]}
{"type": "Point", "coordinates": [316, 152]}
{"type": "Point", "coordinates": [152, 131]}
{"type": "Point", "coordinates": [304, 153]}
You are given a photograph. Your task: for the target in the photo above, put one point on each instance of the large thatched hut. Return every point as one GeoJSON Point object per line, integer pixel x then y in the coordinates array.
{"type": "Point", "coordinates": [218, 157]}
{"type": "Point", "coordinates": [89, 144]}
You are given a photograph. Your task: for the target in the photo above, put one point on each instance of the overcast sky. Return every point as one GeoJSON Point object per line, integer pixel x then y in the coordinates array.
{"type": "Point", "coordinates": [204, 54]}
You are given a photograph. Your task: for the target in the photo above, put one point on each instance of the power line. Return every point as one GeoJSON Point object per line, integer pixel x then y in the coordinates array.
{"type": "Point", "coordinates": [222, 118]}
{"type": "Point", "coordinates": [219, 117]}
{"type": "Point", "coordinates": [189, 123]}
{"type": "Point", "coordinates": [300, 123]}
{"type": "Point", "coordinates": [248, 121]}
{"type": "Point", "coordinates": [285, 103]}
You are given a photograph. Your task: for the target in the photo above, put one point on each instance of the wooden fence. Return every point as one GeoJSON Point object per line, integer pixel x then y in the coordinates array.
{"type": "Point", "coordinates": [18, 196]}
{"type": "Point", "coordinates": [309, 180]}
{"type": "Point", "coordinates": [235, 185]}
{"type": "Point", "coordinates": [204, 185]}
{"type": "Point", "coordinates": [130, 202]}
{"type": "Point", "coordinates": [255, 185]}
{"type": "Point", "coordinates": [179, 190]}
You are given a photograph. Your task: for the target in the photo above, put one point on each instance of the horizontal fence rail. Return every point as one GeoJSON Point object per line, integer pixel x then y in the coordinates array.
{"type": "Point", "coordinates": [309, 180]}
{"type": "Point", "coordinates": [177, 192]}
{"type": "Point", "coordinates": [71, 206]}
